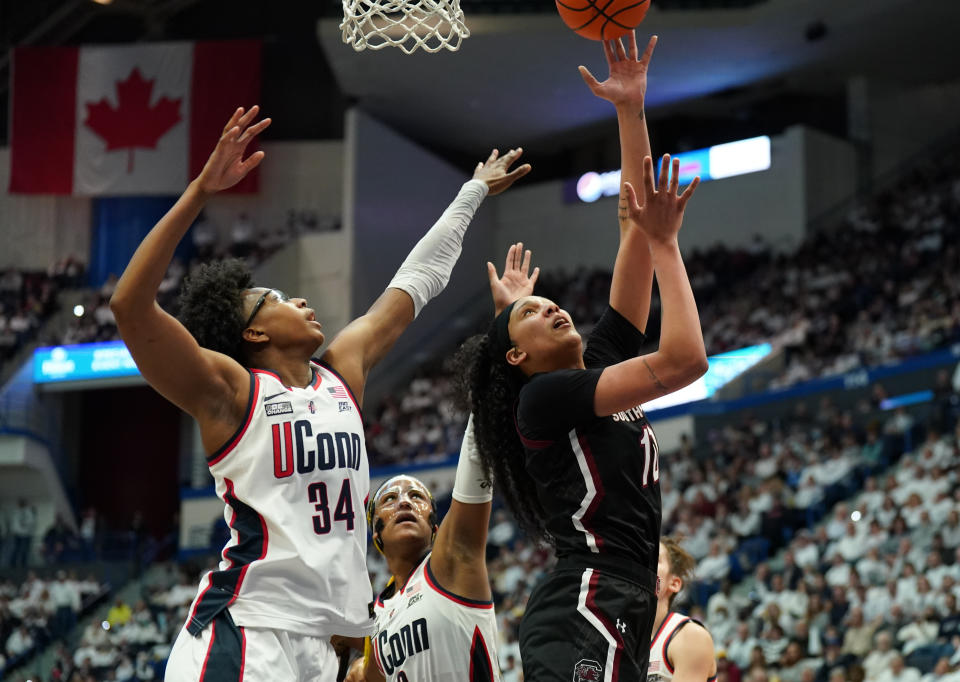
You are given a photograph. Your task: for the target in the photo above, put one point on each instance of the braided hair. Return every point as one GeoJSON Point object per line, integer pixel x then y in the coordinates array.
{"type": "Point", "coordinates": [493, 388]}
{"type": "Point", "coordinates": [211, 306]}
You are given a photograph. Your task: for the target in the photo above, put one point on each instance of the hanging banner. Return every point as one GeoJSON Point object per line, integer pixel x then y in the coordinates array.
{"type": "Point", "coordinates": [125, 120]}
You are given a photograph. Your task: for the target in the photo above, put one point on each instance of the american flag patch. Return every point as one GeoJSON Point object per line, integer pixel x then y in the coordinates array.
{"type": "Point", "coordinates": [337, 391]}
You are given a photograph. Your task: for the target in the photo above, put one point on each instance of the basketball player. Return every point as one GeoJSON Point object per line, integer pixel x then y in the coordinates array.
{"type": "Point", "coordinates": [563, 430]}
{"type": "Point", "coordinates": [681, 648]}
{"type": "Point", "coordinates": [435, 619]}
{"type": "Point", "coordinates": [284, 432]}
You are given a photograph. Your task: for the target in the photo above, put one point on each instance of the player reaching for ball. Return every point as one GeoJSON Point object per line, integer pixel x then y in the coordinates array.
{"type": "Point", "coordinates": [681, 649]}
{"type": "Point", "coordinates": [283, 432]}
{"type": "Point", "coordinates": [435, 619]}
{"type": "Point", "coordinates": [563, 430]}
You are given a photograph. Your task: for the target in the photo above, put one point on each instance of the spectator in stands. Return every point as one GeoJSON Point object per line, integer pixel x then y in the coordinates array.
{"type": "Point", "coordinates": [721, 626]}
{"type": "Point", "coordinates": [22, 527]}
{"type": "Point", "coordinates": [833, 659]}
{"type": "Point", "coordinates": [722, 598]}
{"type": "Point", "coordinates": [11, 282]}
{"type": "Point", "coordinates": [942, 504]}
{"type": "Point", "coordinates": [19, 642]}
{"type": "Point", "coordinates": [242, 235]}
{"type": "Point", "coordinates": [88, 533]}
{"type": "Point", "coordinates": [58, 538]}
{"type": "Point", "coordinates": [872, 569]}
{"type": "Point", "coordinates": [836, 527]}
{"type": "Point", "coordinates": [727, 670]}
{"type": "Point", "coordinates": [714, 567]}
{"type": "Point", "coordinates": [838, 574]}
{"type": "Point", "coordinates": [104, 655]}
{"type": "Point", "coordinates": [809, 494]}
{"type": "Point", "coordinates": [795, 602]}
{"type": "Point", "coordinates": [745, 522]}
{"type": "Point", "coordinates": [897, 672]}
{"type": "Point", "coordinates": [941, 672]}
{"type": "Point", "coordinates": [124, 670]}
{"type": "Point", "coordinates": [880, 657]}
{"type": "Point", "coordinates": [899, 423]}
{"type": "Point", "coordinates": [850, 546]}
{"type": "Point", "coordinates": [204, 236]}
{"type": "Point", "coordinates": [119, 614]}
{"type": "Point", "coordinates": [773, 642]}
{"type": "Point", "coordinates": [793, 663]}
{"type": "Point", "coordinates": [921, 632]}
{"type": "Point", "coordinates": [871, 453]}
{"type": "Point", "coordinates": [143, 669]}
{"type": "Point", "coordinates": [66, 601]}
{"type": "Point", "coordinates": [876, 534]}
{"type": "Point", "coordinates": [805, 552]}
{"type": "Point", "coordinates": [20, 322]}
{"type": "Point", "coordinates": [62, 668]}
{"type": "Point", "coordinates": [950, 622]}
{"type": "Point", "coordinates": [858, 637]}
{"type": "Point", "coordinates": [8, 340]}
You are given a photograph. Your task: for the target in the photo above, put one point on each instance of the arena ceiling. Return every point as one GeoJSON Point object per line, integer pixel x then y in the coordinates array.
{"type": "Point", "coordinates": [706, 60]}
{"type": "Point", "coordinates": [723, 67]}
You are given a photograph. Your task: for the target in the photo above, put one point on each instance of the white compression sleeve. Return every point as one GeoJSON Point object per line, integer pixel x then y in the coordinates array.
{"type": "Point", "coordinates": [471, 485]}
{"type": "Point", "coordinates": [427, 268]}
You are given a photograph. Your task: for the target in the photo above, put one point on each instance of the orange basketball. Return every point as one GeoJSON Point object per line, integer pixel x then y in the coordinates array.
{"type": "Point", "coordinates": [602, 19]}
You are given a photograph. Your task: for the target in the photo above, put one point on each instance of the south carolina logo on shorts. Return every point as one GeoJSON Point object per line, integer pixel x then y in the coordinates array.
{"type": "Point", "coordinates": [587, 671]}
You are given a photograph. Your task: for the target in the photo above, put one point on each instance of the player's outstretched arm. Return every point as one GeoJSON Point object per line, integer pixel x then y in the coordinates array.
{"type": "Point", "coordinates": [459, 560]}
{"type": "Point", "coordinates": [421, 277]}
{"type": "Point", "coordinates": [459, 551]}
{"type": "Point", "coordinates": [626, 88]}
{"type": "Point", "coordinates": [681, 357]}
{"type": "Point", "coordinates": [198, 380]}
{"type": "Point", "coordinates": [517, 281]}
{"type": "Point", "coordinates": [691, 652]}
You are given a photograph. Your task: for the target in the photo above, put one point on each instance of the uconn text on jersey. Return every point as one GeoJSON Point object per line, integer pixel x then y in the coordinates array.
{"type": "Point", "coordinates": [297, 448]}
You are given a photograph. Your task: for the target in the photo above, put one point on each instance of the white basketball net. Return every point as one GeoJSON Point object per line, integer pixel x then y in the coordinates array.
{"type": "Point", "coordinates": [427, 24]}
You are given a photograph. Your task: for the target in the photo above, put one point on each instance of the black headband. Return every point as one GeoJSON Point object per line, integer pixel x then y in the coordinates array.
{"type": "Point", "coordinates": [500, 333]}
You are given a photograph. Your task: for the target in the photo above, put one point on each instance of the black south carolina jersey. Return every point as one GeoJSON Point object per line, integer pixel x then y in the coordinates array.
{"type": "Point", "coordinates": [597, 477]}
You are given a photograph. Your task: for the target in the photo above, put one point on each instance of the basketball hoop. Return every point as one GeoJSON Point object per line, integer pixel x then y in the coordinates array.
{"type": "Point", "coordinates": [411, 24]}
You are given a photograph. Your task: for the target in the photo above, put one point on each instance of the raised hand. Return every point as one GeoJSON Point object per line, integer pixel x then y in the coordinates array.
{"type": "Point", "coordinates": [226, 165]}
{"type": "Point", "coordinates": [661, 214]}
{"type": "Point", "coordinates": [627, 83]}
{"type": "Point", "coordinates": [495, 171]}
{"type": "Point", "coordinates": [516, 281]}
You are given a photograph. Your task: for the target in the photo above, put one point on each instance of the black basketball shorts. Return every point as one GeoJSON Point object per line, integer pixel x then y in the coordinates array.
{"type": "Point", "coordinates": [588, 625]}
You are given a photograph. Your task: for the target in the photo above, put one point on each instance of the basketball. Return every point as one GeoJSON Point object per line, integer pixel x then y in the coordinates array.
{"type": "Point", "coordinates": [597, 21]}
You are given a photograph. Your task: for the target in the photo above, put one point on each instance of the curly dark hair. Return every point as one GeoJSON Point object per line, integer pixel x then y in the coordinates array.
{"type": "Point", "coordinates": [211, 306]}
{"type": "Point", "coordinates": [492, 389]}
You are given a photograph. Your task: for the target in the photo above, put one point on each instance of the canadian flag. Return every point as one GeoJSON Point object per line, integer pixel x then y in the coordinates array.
{"type": "Point", "coordinates": [139, 119]}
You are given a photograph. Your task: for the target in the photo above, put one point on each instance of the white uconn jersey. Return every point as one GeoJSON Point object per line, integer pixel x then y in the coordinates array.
{"type": "Point", "coordinates": [425, 633]}
{"type": "Point", "coordinates": [294, 479]}
{"type": "Point", "coordinates": [659, 668]}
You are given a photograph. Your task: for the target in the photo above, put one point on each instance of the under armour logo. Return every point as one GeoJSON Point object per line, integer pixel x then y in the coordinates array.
{"type": "Point", "coordinates": [622, 627]}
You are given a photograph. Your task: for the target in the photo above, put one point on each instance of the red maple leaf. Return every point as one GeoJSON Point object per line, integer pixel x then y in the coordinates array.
{"type": "Point", "coordinates": [133, 123]}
